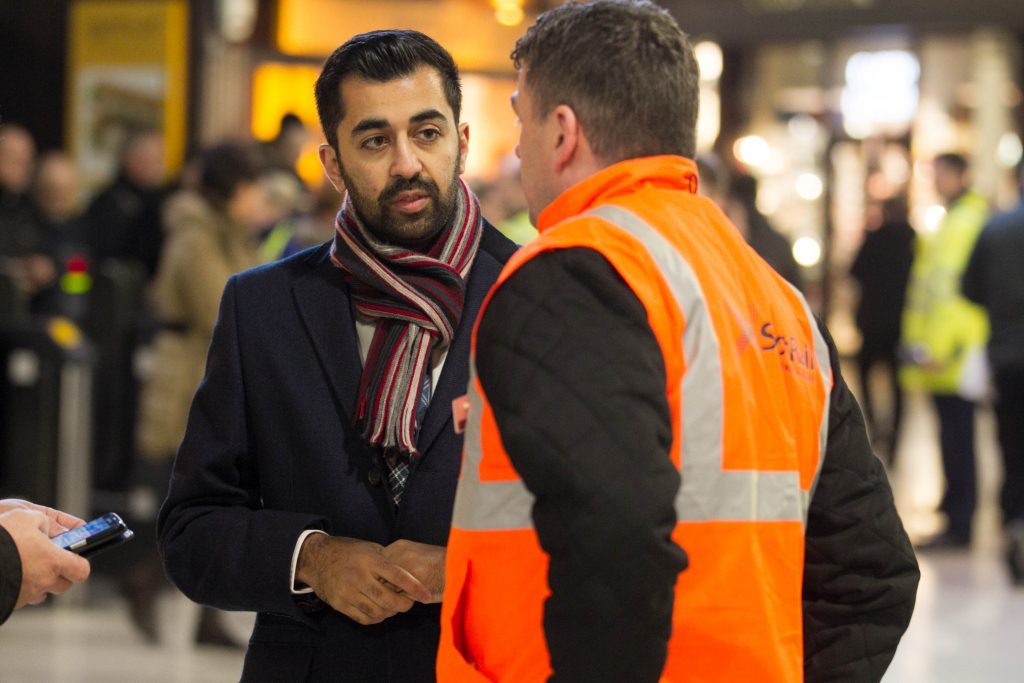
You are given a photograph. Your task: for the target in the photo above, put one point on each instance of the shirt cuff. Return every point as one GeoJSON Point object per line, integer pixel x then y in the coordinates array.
{"type": "Point", "coordinates": [295, 588]}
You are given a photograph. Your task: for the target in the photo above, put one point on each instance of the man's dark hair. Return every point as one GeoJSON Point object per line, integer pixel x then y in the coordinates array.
{"type": "Point", "coordinates": [956, 162]}
{"type": "Point", "coordinates": [381, 56]}
{"type": "Point", "coordinates": [222, 168]}
{"type": "Point", "coordinates": [289, 122]}
{"type": "Point", "coordinates": [626, 69]}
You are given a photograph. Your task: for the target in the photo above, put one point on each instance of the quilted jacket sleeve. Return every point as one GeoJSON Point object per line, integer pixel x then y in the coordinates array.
{"type": "Point", "coordinates": [576, 381]}
{"type": "Point", "coordinates": [860, 573]}
{"type": "Point", "coordinates": [10, 574]}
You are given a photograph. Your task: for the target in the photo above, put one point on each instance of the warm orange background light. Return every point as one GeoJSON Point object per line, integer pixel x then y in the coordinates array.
{"type": "Point", "coordinates": [281, 88]}
{"type": "Point", "coordinates": [467, 28]}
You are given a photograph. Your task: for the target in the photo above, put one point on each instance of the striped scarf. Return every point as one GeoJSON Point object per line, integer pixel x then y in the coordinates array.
{"type": "Point", "coordinates": [416, 301]}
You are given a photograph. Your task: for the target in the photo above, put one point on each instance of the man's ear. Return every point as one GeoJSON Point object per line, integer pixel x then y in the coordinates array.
{"type": "Point", "coordinates": [463, 146]}
{"type": "Point", "coordinates": [569, 136]}
{"type": "Point", "coordinates": [329, 160]}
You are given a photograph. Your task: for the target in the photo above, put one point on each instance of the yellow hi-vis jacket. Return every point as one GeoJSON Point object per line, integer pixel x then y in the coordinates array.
{"type": "Point", "coordinates": [942, 330]}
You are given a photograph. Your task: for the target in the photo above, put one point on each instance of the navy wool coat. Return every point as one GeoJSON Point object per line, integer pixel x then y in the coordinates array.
{"type": "Point", "coordinates": [270, 451]}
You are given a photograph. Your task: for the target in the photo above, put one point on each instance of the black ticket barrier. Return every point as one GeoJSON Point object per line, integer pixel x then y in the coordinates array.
{"type": "Point", "coordinates": [46, 414]}
{"type": "Point", "coordinates": [112, 324]}
{"type": "Point", "coordinates": [13, 310]}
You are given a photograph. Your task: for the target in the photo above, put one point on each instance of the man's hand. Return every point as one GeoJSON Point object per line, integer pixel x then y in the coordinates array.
{"type": "Point", "coordinates": [425, 562]}
{"type": "Point", "coordinates": [355, 578]}
{"type": "Point", "coordinates": [59, 521]}
{"type": "Point", "coordinates": [45, 568]}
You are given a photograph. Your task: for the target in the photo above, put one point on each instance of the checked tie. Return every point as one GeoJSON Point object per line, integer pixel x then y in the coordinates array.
{"type": "Point", "coordinates": [398, 461]}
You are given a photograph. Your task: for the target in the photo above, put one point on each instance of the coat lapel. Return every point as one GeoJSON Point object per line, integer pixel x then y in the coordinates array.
{"type": "Point", "coordinates": [323, 302]}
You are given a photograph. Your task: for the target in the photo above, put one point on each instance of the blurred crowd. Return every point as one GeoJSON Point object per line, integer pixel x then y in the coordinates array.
{"type": "Point", "coordinates": [139, 268]}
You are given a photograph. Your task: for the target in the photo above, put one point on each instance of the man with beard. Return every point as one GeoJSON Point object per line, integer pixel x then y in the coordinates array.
{"type": "Point", "coordinates": [315, 481]}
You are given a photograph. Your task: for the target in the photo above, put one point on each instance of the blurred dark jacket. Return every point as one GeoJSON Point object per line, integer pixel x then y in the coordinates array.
{"type": "Point", "coordinates": [773, 247]}
{"type": "Point", "coordinates": [21, 231]}
{"type": "Point", "coordinates": [882, 268]}
{"type": "Point", "coordinates": [10, 575]}
{"type": "Point", "coordinates": [994, 279]}
{"type": "Point", "coordinates": [124, 222]}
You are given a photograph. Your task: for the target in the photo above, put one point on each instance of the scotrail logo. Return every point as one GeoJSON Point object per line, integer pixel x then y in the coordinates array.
{"type": "Point", "coordinates": [797, 355]}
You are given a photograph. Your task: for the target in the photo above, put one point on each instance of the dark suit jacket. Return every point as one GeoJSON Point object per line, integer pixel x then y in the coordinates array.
{"type": "Point", "coordinates": [270, 451]}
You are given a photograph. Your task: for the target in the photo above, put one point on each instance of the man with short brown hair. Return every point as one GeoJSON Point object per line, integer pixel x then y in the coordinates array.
{"type": "Point", "coordinates": [665, 476]}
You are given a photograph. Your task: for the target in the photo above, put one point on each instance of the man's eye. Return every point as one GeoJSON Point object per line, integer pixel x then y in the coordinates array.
{"type": "Point", "coordinates": [430, 134]}
{"type": "Point", "coordinates": [376, 142]}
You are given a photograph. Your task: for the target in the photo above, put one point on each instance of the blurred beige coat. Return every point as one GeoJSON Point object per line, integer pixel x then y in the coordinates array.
{"type": "Point", "coordinates": [202, 250]}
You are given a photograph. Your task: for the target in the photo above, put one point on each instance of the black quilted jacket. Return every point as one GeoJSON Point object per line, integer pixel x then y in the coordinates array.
{"type": "Point", "coordinates": [576, 381]}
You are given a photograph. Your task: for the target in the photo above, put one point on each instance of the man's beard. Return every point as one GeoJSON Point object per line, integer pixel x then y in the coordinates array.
{"type": "Point", "coordinates": [390, 225]}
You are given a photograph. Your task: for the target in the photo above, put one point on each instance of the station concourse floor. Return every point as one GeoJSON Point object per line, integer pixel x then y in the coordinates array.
{"type": "Point", "coordinates": [966, 628]}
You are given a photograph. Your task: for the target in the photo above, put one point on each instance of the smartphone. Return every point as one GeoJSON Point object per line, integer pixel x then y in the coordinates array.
{"type": "Point", "coordinates": [99, 534]}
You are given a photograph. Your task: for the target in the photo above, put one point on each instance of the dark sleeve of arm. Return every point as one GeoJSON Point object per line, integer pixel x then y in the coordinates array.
{"type": "Point", "coordinates": [576, 381]}
{"type": "Point", "coordinates": [860, 573]}
{"type": "Point", "coordinates": [10, 575]}
{"type": "Point", "coordinates": [858, 266]}
{"type": "Point", "coordinates": [972, 283]}
{"type": "Point", "coordinates": [219, 545]}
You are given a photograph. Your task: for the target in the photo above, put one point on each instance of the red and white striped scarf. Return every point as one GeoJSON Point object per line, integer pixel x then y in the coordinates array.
{"type": "Point", "coordinates": [416, 300]}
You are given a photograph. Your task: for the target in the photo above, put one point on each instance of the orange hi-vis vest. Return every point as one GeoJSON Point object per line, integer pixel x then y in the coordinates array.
{"type": "Point", "coordinates": [748, 380]}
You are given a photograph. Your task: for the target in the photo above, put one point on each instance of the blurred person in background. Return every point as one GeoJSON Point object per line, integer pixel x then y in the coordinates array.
{"type": "Point", "coordinates": [23, 248]}
{"type": "Point", "coordinates": [713, 179]}
{"type": "Point", "coordinates": [315, 481]}
{"type": "Point", "coordinates": [943, 341]}
{"type": "Point", "coordinates": [882, 267]}
{"type": "Point", "coordinates": [283, 151]}
{"type": "Point", "coordinates": [994, 279]}
{"type": "Point", "coordinates": [317, 226]}
{"type": "Point", "coordinates": [287, 202]}
{"type": "Point", "coordinates": [212, 233]}
{"type": "Point", "coordinates": [124, 219]}
{"type": "Point", "coordinates": [503, 202]}
{"type": "Point", "coordinates": [56, 192]}
{"type": "Point", "coordinates": [31, 566]}
{"type": "Point", "coordinates": [771, 245]}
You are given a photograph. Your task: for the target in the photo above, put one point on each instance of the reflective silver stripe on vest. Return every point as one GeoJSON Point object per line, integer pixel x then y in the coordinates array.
{"type": "Point", "coordinates": [709, 493]}
{"type": "Point", "coordinates": [492, 505]}
{"type": "Point", "coordinates": [825, 367]}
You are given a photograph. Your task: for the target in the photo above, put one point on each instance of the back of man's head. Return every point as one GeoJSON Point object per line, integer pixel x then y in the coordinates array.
{"type": "Point", "coordinates": [624, 67]}
{"type": "Point", "coordinates": [290, 123]}
{"type": "Point", "coordinates": [381, 56]}
{"type": "Point", "coordinates": [223, 168]}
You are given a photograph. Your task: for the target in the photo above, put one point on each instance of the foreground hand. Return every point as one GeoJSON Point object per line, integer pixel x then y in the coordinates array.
{"type": "Point", "coordinates": [59, 521]}
{"type": "Point", "coordinates": [45, 568]}
{"type": "Point", "coordinates": [355, 578]}
{"type": "Point", "coordinates": [425, 562]}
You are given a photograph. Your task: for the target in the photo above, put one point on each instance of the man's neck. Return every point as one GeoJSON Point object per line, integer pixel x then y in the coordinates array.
{"type": "Point", "coordinates": [953, 200]}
